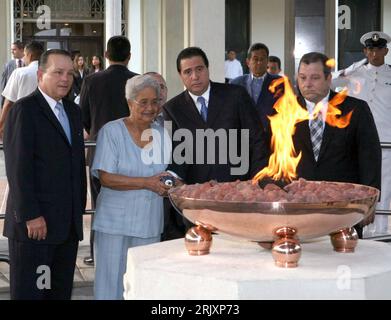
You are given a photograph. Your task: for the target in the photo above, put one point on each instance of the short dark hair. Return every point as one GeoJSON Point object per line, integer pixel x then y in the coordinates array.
{"type": "Point", "coordinates": [257, 46]}
{"type": "Point", "coordinates": [191, 52]}
{"type": "Point", "coordinates": [45, 57]}
{"type": "Point", "coordinates": [275, 60]}
{"type": "Point", "coordinates": [18, 44]}
{"type": "Point", "coordinates": [35, 48]}
{"type": "Point", "coordinates": [118, 49]}
{"type": "Point", "coordinates": [314, 57]}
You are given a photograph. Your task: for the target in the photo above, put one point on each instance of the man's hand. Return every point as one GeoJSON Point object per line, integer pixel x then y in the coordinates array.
{"type": "Point", "coordinates": [36, 229]}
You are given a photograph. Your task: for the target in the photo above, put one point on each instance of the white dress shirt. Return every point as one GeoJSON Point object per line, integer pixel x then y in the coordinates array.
{"type": "Point", "coordinates": [323, 110]}
{"type": "Point", "coordinates": [22, 82]}
{"type": "Point", "coordinates": [52, 103]}
{"type": "Point", "coordinates": [233, 69]}
{"type": "Point", "coordinates": [205, 95]}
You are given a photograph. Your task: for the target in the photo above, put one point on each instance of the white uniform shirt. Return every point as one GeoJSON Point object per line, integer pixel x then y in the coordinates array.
{"type": "Point", "coordinates": [22, 82]}
{"type": "Point", "coordinates": [232, 69]}
{"type": "Point", "coordinates": [373, 85]}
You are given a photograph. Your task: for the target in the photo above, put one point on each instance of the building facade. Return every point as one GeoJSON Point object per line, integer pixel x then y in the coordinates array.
{"type": "Point", "coordinates": [159, 29]}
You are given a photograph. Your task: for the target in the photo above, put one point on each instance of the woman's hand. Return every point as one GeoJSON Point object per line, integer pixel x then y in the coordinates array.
{"type": "Point", "coordinates": [156, 185]}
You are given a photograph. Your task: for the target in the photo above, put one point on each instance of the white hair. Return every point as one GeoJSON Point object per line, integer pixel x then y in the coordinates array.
{"type": "Point", "coordinates": [138, 83]}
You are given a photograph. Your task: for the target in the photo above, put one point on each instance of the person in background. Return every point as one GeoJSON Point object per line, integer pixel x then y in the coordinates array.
{"type": "Point", "coordinates": [370, 80]}
{"type": "Point", "coordinates": [257, 84]}
{"type": "Point", "coordinates": [163, 94]}
{"type": "Point", "coordinates": [329, 153]}
{"type": "Point", "coordinates": [80, 72]}
{"type": "Point", "coordinates": [102, 99]}
{"type": "Point", "coordinates": [173, 221]}
{"type": "Point", "coordinates": [129, 209]}
{"type": "Point", "coordinates": [97, 64]}
{"type": "Point", "coordinates": [17, 51]}
{"type": "Point", "coordinates": [274, 65]}
{"type": "Point", "coordinates": [45, 165]}
{"type": "Point", "coordinates": [232, 67]}
{"type": "Point", "coordinates": [23, 81]}
{"type": "Point", "coordinates": [207, 105]}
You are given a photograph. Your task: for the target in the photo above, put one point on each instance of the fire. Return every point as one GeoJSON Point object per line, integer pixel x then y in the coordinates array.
{"type": "Point", "coordinates": [284, 159]}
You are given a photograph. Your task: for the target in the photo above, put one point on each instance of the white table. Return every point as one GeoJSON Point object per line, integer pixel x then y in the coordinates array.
{"type": "Point", "coordinates": [238, 269]}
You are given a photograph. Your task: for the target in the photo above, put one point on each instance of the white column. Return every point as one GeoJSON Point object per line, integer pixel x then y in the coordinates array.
{"type": "Point", "coordinates": [112, 18]}
{"type": "Point", "coordinates": [135, 34]}
{"type": "Point", "coordinates": [152, 37]}
{"type": "Point", "coordinates": [172, 43]}
{"type": "Point", "coordinates": [268, 26]}
{"type": "Point", "coordinates": [386, 27]}
{"type": "Point", "coordinates": [206, 29]}
{"type": "Point", "coordinates": [6, 29]}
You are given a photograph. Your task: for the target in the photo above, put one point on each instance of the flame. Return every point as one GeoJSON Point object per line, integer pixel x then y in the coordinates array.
{"type": "Point", "coordinates": [284, 159]}
{"type": "Point", "coordinates": [331, 63]}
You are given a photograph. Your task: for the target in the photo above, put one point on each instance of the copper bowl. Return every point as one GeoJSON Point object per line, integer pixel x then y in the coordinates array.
{"type": "Point", "coordinates": [259, 221]}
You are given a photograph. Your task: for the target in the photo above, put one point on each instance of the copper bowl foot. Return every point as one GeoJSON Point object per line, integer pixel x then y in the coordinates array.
{"type": "Point", "coordinates": [286, 249]}
{"type": "Point", "coordinates": [344, 240]}
{"type": "Point", "coordinates": [198, 240]}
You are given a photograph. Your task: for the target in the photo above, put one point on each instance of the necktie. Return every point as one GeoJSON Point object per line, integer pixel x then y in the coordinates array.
{"type": "Point", "coordinates": [256, 88]}
{"type": "Point", "coordinates": [20, 64]}
{"type": "Point", "coordinates": [316, 129]}
{"type": "Point", "coordinates": [63, 118]}
{"type": "Point", "coordinates": [204, 108]}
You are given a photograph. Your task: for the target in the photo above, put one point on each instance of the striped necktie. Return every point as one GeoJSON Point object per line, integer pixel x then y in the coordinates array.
{"type": "Point", "coordinates": [316, 130]}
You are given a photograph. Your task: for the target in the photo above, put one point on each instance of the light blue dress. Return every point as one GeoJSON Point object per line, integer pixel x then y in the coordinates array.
{"type": "Point", "coordinates": [125, 218]}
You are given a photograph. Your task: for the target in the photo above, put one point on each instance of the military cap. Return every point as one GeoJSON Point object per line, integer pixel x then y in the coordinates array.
{"type": "Point", "coordinates": [375, 39]}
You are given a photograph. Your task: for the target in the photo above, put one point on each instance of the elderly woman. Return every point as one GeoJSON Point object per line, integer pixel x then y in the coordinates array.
{"type": "Point", "coordinates": [131, 156]}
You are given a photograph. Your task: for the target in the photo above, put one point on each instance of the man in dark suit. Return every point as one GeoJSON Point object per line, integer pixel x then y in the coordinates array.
{"type": "Point", "coordinates": [44, 157]}
{"type": "Point", "coordinates": [351, 154]}
{"type": "Point", "coordinates": [258, 81]}
{"type": "Point", "coordinates": [102, 99]}
{"type": "Point", "coordinates": [214, 107]}
{"type": "Point", "coordinates": [17, 51]}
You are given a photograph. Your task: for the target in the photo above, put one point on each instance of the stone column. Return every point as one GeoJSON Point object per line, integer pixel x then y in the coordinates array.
{"type": "Point", "coordinates": [172, 43]}
{"type": "Point", "coordinates": [112, 19]}
{"type": "Point", "coordinates": [6, 30]}
{"type": "Point", "coordinates": [206, 29]}
{"type": "Point", "coordinates": [135, 34]}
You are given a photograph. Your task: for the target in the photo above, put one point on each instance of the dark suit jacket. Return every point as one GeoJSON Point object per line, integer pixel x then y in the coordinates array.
{"type": "Point", "coordinates": [229, 107]}
{"type": "Point", "coordinates": [78, 81]}
{"type": "Point", "coordinates": [102, 99]}
{"type": "Point", "coordinates": [266, 99]}
{"type": "Point", "coordinates": [9, 67]}
{"type": "Point", "coordinates": [352, 154]}
{"type": "Point", "coordinates": [46, 174]}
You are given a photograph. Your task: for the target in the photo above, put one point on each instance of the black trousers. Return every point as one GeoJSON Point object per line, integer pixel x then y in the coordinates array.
{"type": "Point", "coordinates": [42, 272]}
{"type": "Point", "coordinates": [174, 228]}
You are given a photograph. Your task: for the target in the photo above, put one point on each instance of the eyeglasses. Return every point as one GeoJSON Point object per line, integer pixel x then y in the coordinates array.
{"type": "Point", "coordinates": [146, 103]}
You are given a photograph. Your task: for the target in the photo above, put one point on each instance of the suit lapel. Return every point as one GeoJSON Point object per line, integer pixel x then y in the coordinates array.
{"type": "Point", "coordinates": [247, 81]}
{"type": "Point", "coordinates": [328, 134]}
{"type": "Point", "coordinates": [304, 128]}
{"type": "Point", "coordinates": [214, 105]}
{"type": "Point", "coordinates": [48, 112]}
